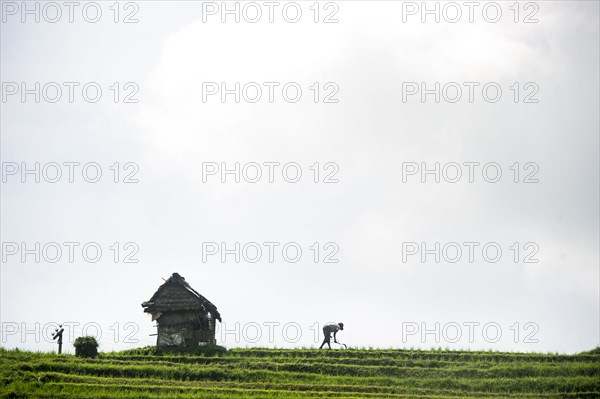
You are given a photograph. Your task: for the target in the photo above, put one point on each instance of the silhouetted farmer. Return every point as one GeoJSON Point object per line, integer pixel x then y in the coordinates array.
{"type": "Point", "coordinates": [327, 330]}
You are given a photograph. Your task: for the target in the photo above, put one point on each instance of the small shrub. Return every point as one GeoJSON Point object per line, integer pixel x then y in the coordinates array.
{"type": "Point", "coordinates": [86, 347]}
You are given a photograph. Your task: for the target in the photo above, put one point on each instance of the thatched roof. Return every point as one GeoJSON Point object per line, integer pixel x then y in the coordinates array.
{"type": "Point", "coordinates": [177, 295]}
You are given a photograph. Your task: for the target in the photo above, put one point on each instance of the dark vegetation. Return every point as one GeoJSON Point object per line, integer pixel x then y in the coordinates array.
{"type": "Point", "coordinates": [86, 347]}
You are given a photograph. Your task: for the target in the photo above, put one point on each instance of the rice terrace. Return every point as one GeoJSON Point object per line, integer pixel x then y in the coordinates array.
{"type": "Point", "coordinates": [300, 373]}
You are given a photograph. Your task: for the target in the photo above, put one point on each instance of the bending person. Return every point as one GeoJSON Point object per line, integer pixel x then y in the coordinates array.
{"type": "Point", "coordinates": [327, 330]}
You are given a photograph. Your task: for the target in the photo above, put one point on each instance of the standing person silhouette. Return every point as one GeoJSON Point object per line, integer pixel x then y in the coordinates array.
{"type": "Point", "coordinates": [327, 330]}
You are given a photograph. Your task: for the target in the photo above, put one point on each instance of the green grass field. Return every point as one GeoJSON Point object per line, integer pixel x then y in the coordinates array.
{"type": "Point", "coordinates": [301, 373]}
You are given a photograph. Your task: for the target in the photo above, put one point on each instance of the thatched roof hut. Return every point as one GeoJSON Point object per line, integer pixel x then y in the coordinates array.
{"type": "Point", "coordinates": [184, 317]}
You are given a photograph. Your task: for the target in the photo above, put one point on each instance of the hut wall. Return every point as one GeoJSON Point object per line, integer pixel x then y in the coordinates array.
{"type": "Point", "coordinates": [193, 327]}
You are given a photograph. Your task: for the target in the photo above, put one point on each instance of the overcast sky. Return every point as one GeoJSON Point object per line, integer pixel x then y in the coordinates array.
{"type": "Point", "coordinates": [376, 129]}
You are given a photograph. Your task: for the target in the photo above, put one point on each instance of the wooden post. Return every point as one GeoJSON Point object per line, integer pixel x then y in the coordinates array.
{"type": "Point", "coordinates": [58, 334]}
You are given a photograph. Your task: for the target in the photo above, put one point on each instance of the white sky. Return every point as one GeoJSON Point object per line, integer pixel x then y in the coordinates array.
{"type": "Point", "coordinates": [170, 132]}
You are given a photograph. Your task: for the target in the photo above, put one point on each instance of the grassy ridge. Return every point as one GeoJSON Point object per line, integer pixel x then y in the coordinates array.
{"type": "Point", "coordinates": [301, 373]}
